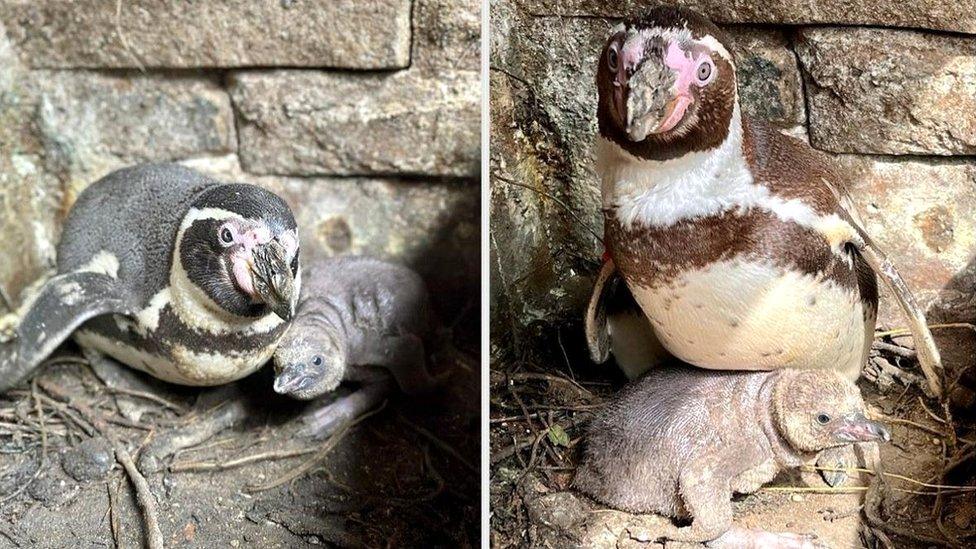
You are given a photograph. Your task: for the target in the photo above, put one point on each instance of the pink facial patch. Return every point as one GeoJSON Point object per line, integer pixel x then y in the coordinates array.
{"type": "Point", "coordinates": [684, 64]}
{"type": "Point", "coordinates": [242, 274]}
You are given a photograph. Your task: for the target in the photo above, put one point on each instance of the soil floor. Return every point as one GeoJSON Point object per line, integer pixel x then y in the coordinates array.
{"type": "Point", "coordinates": [539, 410]}
{"type": "Point", "coordinates": [404, 477]}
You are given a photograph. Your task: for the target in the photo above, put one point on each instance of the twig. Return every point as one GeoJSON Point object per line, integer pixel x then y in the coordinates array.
{"type": "Point", "coordinates": [148, 396]}
{"type": "Point", "coordinates": [930, 412]}
{"type": "Point", "coordinates": [518, 376]}
{"type": "Point", "coordinates": [68, 414]}
{"type": "Point", "coordinates": [220, 466]}
{"type": "Point", "coordinates": [815, 489]}
{"type": "Point", "coordinates": [439, 443]}
{"type": "Point", "coordinates": [872, 504]}
{"type": "Point", "coordinates": [890, 475]}
{"type": "Point", "coordinates": [329, 445]}
{"type": "Point", "coordinates": [113, 497]}
{"type": "Point", "coordinates": [514, 448]}
{"type": "Point", "coordinates": [144, 496]}
{"type": "Point", "coordinates": [903, 352]}
{"type": "Point", "coordinates": [43, 459]}
{"type": "Point", "coordinates": [559, 339]}
{"type": "Point", "coordinates": [898, 332]}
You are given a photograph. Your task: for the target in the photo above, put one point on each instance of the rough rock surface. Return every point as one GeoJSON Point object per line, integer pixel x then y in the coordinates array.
{"type": "Point", "coordinates": [890, 91]}
{"type": "Point", "coordinates": [240, 33]}
{"type": "Point", "coordinates": [927, 14]}
{"type": "Point", "coordinates": [317, 123]}
{"type": "Point", "coordinates": [29, 199]}
{"type": "Point", "coordinates": [90, 123]}
{"type": "Point", "coordinates": [447, 35]}
{"type": "Point", "coordinates": [770, 86]}
{"type": "Point", "coordinates": [921, 213]}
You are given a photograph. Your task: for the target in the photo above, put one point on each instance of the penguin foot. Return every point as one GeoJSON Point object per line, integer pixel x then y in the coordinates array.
{"type": "Point", "coordinates": [740, 538]}
{"type": "Point", "coordinates": [835, 463]}
{"type": "Point", "coordinates": [164, 446]}
{"type": "Point", "coordinates": [322, 422]}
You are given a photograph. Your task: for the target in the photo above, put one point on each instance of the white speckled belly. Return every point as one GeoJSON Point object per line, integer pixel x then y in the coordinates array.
{"type": "Point", "coordinates": [744, 315]}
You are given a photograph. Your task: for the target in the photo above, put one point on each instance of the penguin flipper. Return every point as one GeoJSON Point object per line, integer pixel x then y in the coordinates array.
{"type": "Point", "coordinates": [62, 305]}
{"type": "Point", "coordinates": [597, 330]}
{"type": "Point", "coordinates": [928, 355]}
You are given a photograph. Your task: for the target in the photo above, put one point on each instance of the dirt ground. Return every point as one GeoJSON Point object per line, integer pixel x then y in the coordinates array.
{"type": "Point", "coordinates": [539, 410]}
{"type": "Point", "coordinates": [404, 477]}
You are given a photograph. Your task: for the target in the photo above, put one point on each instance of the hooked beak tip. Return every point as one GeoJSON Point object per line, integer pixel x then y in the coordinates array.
{"type": "Point", "coordinates": [861, 429]}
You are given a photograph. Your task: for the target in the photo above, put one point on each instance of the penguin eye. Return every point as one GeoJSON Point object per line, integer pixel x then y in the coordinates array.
{"type": "Point", "coordinates": [317, 360]}
{"type": "Point", "coordinates": [704, 71]}
{"type": "Point", "coordinates": [613, 58]}
{"type": "Point", "coordinates": [823, 419]}
{"type": "Point", "coordinates": [226, 236]}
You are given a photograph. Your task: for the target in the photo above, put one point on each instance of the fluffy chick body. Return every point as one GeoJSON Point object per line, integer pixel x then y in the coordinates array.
{"type": "Point", "coordinates": [681, 441]}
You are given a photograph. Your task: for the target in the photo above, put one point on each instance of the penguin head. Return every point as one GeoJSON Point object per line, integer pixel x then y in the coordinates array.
{"type": "Point", "coordinates": [667, 84]}
{"type": "Point", "coordinates": [309, 361]}
{"type": "Point", "coordinates": [818, 409]}
{"type": "Point", "coordinates": [238, 251]}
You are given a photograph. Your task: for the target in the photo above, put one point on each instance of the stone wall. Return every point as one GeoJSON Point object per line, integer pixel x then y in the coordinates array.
{"type": "Point", "coordinates": [363, 115]}
{"type": "Point", "coordinates": [887, 87]}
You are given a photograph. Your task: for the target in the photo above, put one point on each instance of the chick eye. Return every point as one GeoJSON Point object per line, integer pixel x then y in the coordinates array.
{"type": "Point", "coordinates": [704, 71]}
{"type": "Point", "coordinates": [226, 236]}
{"type": "Point", "coordinates": [823, 419]}
{"type": "Point", "coordinates": [316, 360]}
{"type": "Point", "coordinates": [613, 58]}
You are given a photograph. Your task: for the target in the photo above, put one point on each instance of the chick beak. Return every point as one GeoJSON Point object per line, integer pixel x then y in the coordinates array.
{"type": "Point", "coordinates": [857, 428]}
{"type": "Point", "coordinates": [290, 380]}
{"type": "Point", "coordinates": [273, 280]}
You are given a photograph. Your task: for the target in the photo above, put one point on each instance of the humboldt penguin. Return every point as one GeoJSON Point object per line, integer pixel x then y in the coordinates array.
{"type": "Point", "coordinates": [737, 245]}
{"type": "Point", "coordinates": [167, 271]}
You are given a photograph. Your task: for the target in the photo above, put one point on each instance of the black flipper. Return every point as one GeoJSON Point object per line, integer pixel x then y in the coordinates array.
{"type": "Point", "coordinates": [63, 303]}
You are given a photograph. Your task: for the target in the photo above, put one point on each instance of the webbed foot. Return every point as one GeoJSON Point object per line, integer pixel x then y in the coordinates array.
{"type": "Point", "coordinates": [834, 463]}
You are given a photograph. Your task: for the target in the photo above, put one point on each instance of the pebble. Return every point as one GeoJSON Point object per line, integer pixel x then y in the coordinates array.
{"type": "Point", "coordinates": [92, 459]}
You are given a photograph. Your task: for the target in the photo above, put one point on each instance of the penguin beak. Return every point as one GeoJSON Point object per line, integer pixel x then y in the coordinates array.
{"type": "Point", "coordinates": [292, 380]}
{"type": "Point", "coordinates": [273, 280]}
{"type": "Point", "coordinates": [857, 428]}
{"type": "Point", "coordinates": [658, 95]}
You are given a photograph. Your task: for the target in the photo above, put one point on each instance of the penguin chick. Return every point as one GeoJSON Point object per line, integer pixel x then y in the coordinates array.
{"type": "Point", "coordinates": [358, 319]}
{"type": "Point", "coordinates": [737, 243]}
{"type": "Point", "coordinates": [681, 441]}
{"type": "Point", "coordinates": [167, 271]}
